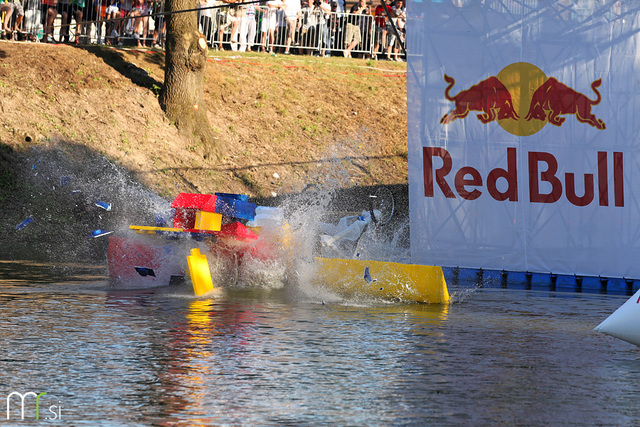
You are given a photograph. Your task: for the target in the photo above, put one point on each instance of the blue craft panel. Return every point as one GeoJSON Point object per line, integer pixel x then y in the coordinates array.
{"type": "Point", "coordinates": [241, 197]}
{"type": "Point", "coordinates": [235, 208]}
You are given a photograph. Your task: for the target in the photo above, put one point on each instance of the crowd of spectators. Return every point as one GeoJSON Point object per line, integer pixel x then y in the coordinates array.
{"type": "Point", "coordinates": [317, 27]}
{"type": "Point", "coordinates": [320, 27]}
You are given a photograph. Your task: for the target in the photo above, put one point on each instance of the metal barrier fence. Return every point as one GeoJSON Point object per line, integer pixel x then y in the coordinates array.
{"type": "Point", "coordinates": [315, 32]}
{"type": "Point", "coordinates": [239, 28]}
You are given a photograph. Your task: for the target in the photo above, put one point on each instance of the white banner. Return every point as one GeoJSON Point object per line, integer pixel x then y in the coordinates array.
{"type": "Point", "coordinates": [524, 135]}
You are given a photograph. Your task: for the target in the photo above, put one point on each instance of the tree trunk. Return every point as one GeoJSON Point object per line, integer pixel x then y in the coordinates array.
{"type": "Point", "coordinates": [182, 95]}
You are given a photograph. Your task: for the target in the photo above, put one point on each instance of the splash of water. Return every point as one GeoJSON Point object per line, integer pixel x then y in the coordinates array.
{"type": "Point", "coordinates": [69, 192]}
{"type": "Point", "coordinates": [316, 211]}
{"type": "Point", "coordinates": [79, 191]}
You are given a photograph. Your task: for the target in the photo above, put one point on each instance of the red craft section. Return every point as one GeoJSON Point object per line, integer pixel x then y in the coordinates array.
{"type": "Point", "coordinates": [213, 223]}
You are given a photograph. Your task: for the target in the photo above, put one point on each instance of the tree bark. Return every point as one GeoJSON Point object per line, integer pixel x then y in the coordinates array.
{"type": "Point", "coordinates": [182, 95]}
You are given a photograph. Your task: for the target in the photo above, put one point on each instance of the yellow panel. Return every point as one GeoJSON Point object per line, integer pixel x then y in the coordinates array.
{"type": "Point", "coordinates": [208, 221]}
{"type": "Point", "coordinates": [408, 282]}
{"type": "Point", "coordinates": [142, 229]}
{"type": "Point", "coordinates": [256, 230]}
{"type": "Point", "coordinates": [199, 272]}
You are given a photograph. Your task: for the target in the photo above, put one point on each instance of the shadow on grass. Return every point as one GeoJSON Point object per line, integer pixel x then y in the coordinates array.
{"type": "Point", "coordinates": [138, 76]}
{"type": "Point", "coordinates": [48, 203]}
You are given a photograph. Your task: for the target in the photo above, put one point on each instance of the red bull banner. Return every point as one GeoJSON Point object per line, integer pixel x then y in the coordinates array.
{"type": "Point", "coordinates": [524, 135]}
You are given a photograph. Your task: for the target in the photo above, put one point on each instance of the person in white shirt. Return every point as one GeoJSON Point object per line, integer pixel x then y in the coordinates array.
{"type": "Point", "coordinates": [293, 15]}
{"type": "Point", "coordinates": [270, 22]}
{"type": "Point", "coordinates": [205, 20]}
{"type": "Point", "coordinates": [248, 28]}
{"type": "Point", "coordinates": [235, 15]}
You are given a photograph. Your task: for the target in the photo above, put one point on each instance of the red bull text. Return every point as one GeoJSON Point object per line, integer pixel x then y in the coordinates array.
{"type": "Point", "coordinates": [469, 183]}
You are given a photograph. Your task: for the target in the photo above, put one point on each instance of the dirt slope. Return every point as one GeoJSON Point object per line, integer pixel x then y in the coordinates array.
{"type": "Point", "coordinates": [273, 115]}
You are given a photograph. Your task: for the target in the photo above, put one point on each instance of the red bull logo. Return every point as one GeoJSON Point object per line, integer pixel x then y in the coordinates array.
{"type": "Point", "coordinates": [490, 96]}
{"type": "Point", "coordinates": [508, 98]}
{"type": "Point", "coordinates": [522, 100]}
{"type": "Point", "coordinates": [554, 99]}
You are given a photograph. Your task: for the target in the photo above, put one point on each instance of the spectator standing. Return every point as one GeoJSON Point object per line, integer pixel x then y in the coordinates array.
{"type": "Point", "coordinates": [77, 10]}
{"type": "Point", "coordinates": [401, 23]}
{"type": "Point", "coordinates": [125, 25]}
{"type": "Point", "coordinates": [223, 21]}
{"type": "Point", "coordinates": [241, 13]}
{"type": "Point", "coordinates": [30, 22]}
{"type": "Point", "coordinates": [141, 22]}
{"type": "Point", "coordinates": [281, 27]}
{"type": "Point", "coordinates": [63, 7]}
{"type": "Point", "coordinates": [11, 8]}
{"type": "Point", "coordinates": [48, 8]}
{"type": "Point", "coordinates": [391, 33]}
{"type": "Point", "coordinates": [270, 22]}
{"type": "Point", "coordinates": [335, 25]}
{"type": "Point", "coordinates": [262, 16]}
{"type": "Point", "coordinates": [398, 19]}
{"type": "Point", "coordinates": [90, 17]}
{"type": "Point", "coordinates": [308, 29]}
{"type": "Point", "coordinates": [323, 9]}
{"type": "Point", "coordinates": [380, 19]}
{"type": "Point", "coordinates": [235, 14]}
{"type": "Point", "coordinates": [159, 23]}
{"type": "Point", "coordinates": [111, 13]}
{"type": "Point", "coordinates": [293, 15]}
{"type": "Point", "coordinates": [353, 37]}
{"type": "Point", "coordinates": [248, 28]}
{"type": "Point", "coordinates": [206, 22]}
{"type": "Point", "coordinates": [366, 31]}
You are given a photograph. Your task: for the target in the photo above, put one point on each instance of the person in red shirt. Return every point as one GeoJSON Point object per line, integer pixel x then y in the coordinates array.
{"type": "Point", "coordinates": [381, 28]}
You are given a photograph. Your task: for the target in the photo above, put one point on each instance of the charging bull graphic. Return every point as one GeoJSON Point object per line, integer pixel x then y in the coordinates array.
{"type": "Point", "coordinates": [553, 99]}
{"type": "Point", "coordinates": [534, 101]}
{"type": "Point", "coordinates": [490, 96]}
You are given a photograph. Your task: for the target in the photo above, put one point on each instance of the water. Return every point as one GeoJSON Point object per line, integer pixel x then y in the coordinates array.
{"type": "Point", "coordinates": [266, 357]}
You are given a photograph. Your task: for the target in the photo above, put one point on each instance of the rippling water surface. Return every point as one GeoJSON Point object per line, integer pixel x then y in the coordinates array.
{"type": "Point", "coordinates": [278, 357]}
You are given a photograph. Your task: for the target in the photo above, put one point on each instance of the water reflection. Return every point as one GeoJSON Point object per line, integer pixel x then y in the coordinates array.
{"type": "Point", "coordinates": [165, 358]}
{"type": "Point", "coordinates": [32, 272]}
{"type": "Point", "coordinates": [241, 359]}
{"type": "Point", "coordinates": [193, 346]}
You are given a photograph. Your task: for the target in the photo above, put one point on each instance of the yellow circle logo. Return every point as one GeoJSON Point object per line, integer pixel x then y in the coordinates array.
{"type": "Point", "coordinates": [521, 80]}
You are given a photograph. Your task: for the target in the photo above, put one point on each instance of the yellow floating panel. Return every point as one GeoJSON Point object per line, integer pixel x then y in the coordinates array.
{"type": "Point", "coordinates": [143, 229]}
{"type": "Point", "coordinates": [199, 272]}
{"type": "Point", "coordinates": [208, 221]}
{"type": "Point", "coordinates": [389, 280]}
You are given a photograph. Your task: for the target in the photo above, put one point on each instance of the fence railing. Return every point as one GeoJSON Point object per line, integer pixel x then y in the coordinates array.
{"type": "Point", "coordinates": [241, 28]}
